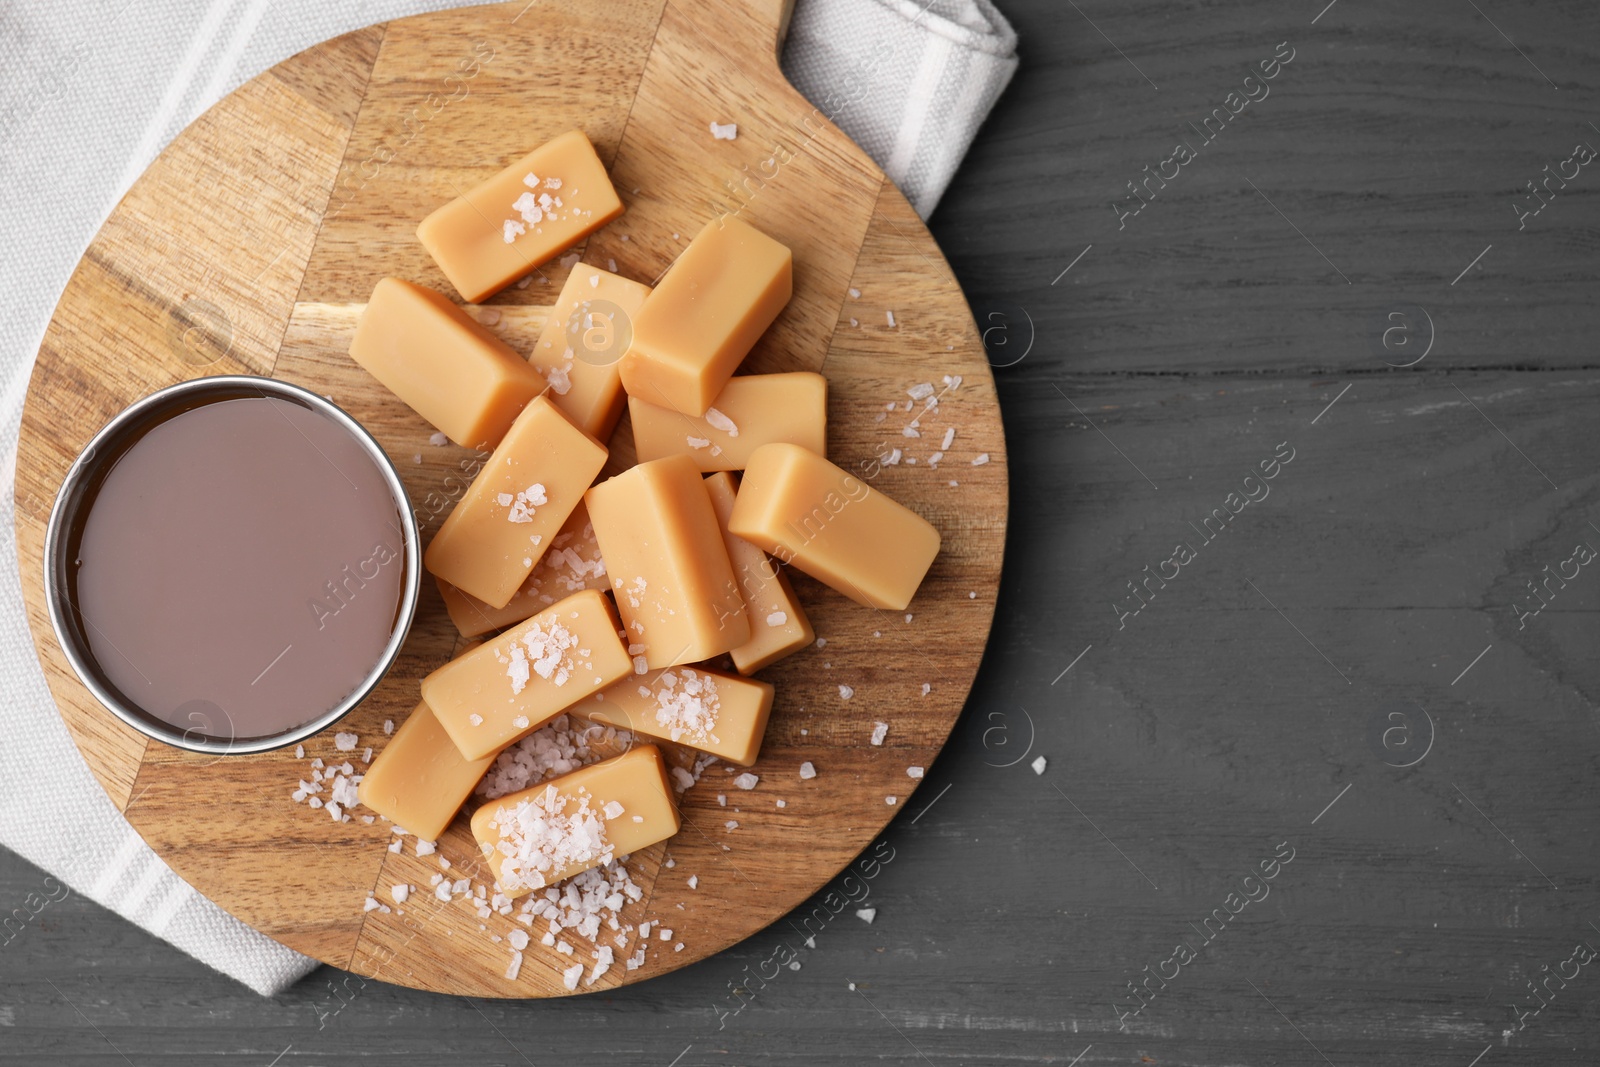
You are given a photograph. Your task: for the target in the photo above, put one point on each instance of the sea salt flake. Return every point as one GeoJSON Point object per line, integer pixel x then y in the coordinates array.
{"type": "Point", "coordinates": [913, 772]}
{"type": "Point", "coordinates": [880, 730]}
{"type": "Point", "coordinates": [807, 770]}
{"type": "Point", "coordinates": [346, 742]}
{"type": "Point", "coordinates": [746, 780]}
{"type": "Point", "coordinates": [980, 459]}
{"type": "Point", "coordinates": [777, 618]}
{"type": "Point", "coordinates": [724, 131]}
{"type": "Point", "coordinates": [718, 421]}
{"type": "Point", "coordinates": [846, 692]}
{"type": "Point", "coordinates": [1039, 765]}
{"type": "Point", "coordinates": [866, 915]}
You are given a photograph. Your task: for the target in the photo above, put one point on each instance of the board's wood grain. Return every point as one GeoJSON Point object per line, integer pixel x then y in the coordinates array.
{"type": "Point", "coordinates": [251, 245]}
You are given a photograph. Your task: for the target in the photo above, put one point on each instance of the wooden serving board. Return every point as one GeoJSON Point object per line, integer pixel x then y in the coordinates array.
{"type": "Point", "coordinates": [249, 247]}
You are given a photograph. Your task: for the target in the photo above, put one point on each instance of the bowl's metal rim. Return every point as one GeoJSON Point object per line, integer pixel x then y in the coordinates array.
{"type": "Point", "coordinates": [87, 463]}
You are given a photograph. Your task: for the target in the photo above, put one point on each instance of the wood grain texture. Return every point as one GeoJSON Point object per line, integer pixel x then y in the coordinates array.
{"type": "Point", "coordinates": [268, 222]}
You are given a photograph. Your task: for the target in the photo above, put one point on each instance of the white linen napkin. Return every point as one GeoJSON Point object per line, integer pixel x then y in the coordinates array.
{"type": "Point", "coordinates": [91, 91]}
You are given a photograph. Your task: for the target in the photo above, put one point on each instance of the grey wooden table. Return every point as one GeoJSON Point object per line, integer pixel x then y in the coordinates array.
{"type": "Point", "coordinates": [1293, 425]}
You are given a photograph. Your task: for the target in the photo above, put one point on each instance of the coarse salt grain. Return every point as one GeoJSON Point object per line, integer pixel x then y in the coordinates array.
{"type": "Point", "coordinates": [400, 893]}
{"type": "Point", "coordinates": [438, 439]}
{"type": "Point", "coordinates": [727, 131]}
{"type": "Point", "coordinates": [570, 976]}
{"type": "Point", "coordinates": [889, 315]}
{"type": "Point", "coordinates": [545, 833]}
{"type": "Point", "coordinates": [543, 651]}
{"type": "Point", "coordinates": [694, 881]}
{"type": "Point", "coordinates": [777, 618]}
{"type": "Point", "coordinates": [746, 781]}
{"type": "Point", "coordinates": [913, 772]}
{"type": "Point", "coordinates": [880, 730]}
{"type": "Point", "coordinates": [718, 421]}
{"type": "Point", "coordinates": [866, 915]}
{"type": "Point", "coordinates": [1039, 765]}
{"type": "Point", "coordinates": [891, 801]}
{"type": "Point", "coordinates": [807, 770]}
{"type": "Point", "coordinates": [949, 436]}
{"type": "Point", "coordinates": [855, 294]}
{"type": "Point", "coordinates": [980, 459]}
{"type": "Point", "coordinates": [346, 742]}
{"type": "Point", "coordinates": [426, 848]}
{"type": "Point", "coordinates": [783, 803]}
{"type": "Point", "coordinates": [846, 692]}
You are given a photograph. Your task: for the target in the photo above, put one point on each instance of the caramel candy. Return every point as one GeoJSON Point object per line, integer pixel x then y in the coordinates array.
{"type": "Point", "coordinates": [504, 227]}
{"type": "Point", "coordinates": [570, 563]}
{"type": "Point", "coordinates": [722, 714]}
{"type": "Point", "coordinates": [514, 683]}
{"type": "Point", "coordinates": [582, 342]}
{"type": "Point", "coordinates": [836, 528]}
{"type": "Point", "coordinates": [420, 779]}
{"type": "Point", "coordinates": [565, 826]}
{"type": "Point", "coordinates": [778, 624]}
{"type": "Point", "coordinates": [438, 359]}
{"type": "Point", "coordinates": [720, 295]}
{"type": "Point", "coordinates": [668, 567]}
{"type": "Point", "coordinates": [751, 411]}
{"type": "Point", "coordinates": [507, 518]}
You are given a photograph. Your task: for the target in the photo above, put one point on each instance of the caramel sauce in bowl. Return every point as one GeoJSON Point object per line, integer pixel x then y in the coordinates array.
{"type": "Point", "coordinates": [232, 564]}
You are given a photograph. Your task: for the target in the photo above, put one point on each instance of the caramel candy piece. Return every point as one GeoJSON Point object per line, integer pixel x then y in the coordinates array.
{"type": "Point", "coordinates": [514, 683]}
{"type": "Point", "coordinates": [507, 518]}
{"type": "Point", "coordinates": [582, 342]}
{"type": "Point", "coordinates": [563, 827]}
{"type": "Point", "coordinates": [722, 714]}
{"type": "Point", "coordinates": [420, 779]}
{"type": "Point", "coordinates": [669, 569]}
{"type": "Point", "coordinates": [721, 294]}
{"type": "Point", "coordinates": [836, 528]}
{"type": "Point", "coordinates": [778, 624]}
{"type": "Point", "coordinates": [438, 359]}
{"type": "Point", "coordinates": [751, 411]}
{"type": "Point", "coordinates": [572, 562]}
{"type": "Point", "coordinates": [502, 228]}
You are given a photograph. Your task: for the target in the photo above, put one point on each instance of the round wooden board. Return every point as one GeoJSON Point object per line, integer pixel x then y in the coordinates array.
{"type": "Point", "coordinates": [250, 246]}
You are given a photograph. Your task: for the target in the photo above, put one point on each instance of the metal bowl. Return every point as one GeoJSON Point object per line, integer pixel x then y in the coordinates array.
{"type": "Point", "coordinates": [83, 480]}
